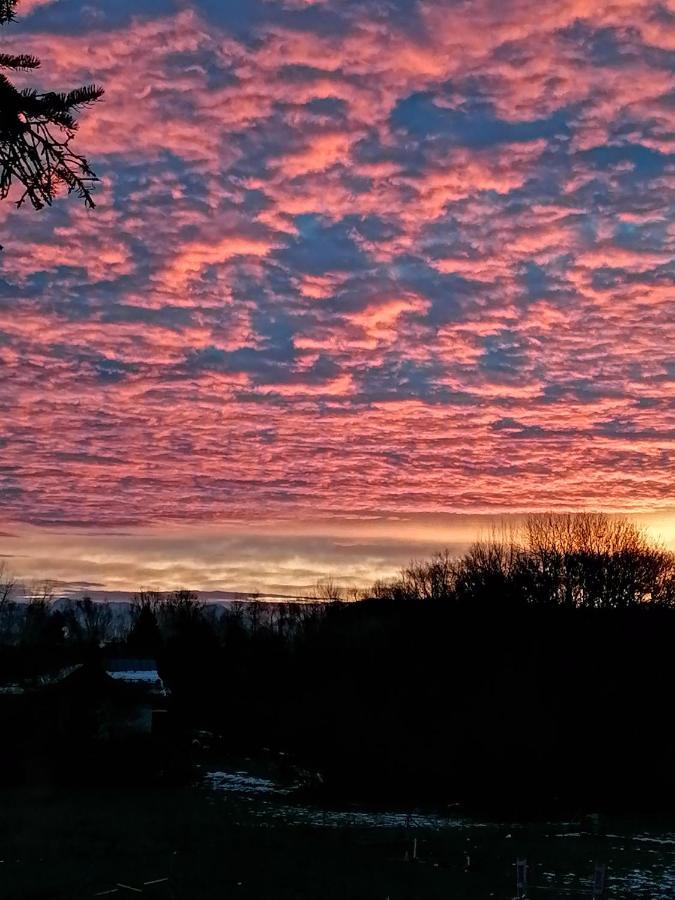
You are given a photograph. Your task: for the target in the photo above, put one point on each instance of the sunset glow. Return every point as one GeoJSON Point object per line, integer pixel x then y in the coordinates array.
{"type": "Point", "coordinates": [364, 276]}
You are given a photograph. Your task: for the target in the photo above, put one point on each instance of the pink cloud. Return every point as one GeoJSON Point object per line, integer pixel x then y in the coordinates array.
{"type": "Point", "coordinates": [297, 296]}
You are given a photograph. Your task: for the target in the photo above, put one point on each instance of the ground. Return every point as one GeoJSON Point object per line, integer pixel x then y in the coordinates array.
{"type": "Point", "coordinates": [231, 837]}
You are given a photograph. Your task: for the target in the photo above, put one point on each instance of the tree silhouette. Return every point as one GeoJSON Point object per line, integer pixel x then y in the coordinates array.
{"type": "Point", "coordinates": [7, 587]}
{"type": "Point", "coordinates": [328, 590]}
{"type": "Point", "coordinates": [36, 130]}
{"type": "Point", "coordinates": [95, 620]}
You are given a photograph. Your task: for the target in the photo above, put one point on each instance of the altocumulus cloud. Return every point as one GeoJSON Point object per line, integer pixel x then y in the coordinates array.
{"type": "Point", "coordinates": [405, 257]}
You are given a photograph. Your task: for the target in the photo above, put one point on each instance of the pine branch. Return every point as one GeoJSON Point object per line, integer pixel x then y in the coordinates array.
{"type": "Point", "coordinates": [83, 96]}
{"type": "Point", "coordinates": [21, 61]}
{"type": "Point", "coordinates": [7, 10]}
{"type": "Point", "coordinates": [36, 130]}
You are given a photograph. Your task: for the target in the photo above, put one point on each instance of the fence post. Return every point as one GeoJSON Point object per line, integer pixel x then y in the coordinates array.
{"type": "Point", "coordinates": [521, 878]}
{"type": "Point", "coordinates": [599, 881]}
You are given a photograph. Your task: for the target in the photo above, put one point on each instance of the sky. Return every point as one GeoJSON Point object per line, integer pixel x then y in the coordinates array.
{"type": "Point", "coordinates": [363, 277]}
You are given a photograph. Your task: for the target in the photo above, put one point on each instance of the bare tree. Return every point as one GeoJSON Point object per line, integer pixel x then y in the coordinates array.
{"type": "Point", "coordinates": [7, 588]}
{"type": "Point", "coordinates": [180, 611]}
{"type": "Point", "coordinates": [255, 610]}
{"type": "Point", "coordinates": [327, 590]}
{"type": "Point", "coordinates": [569, 560]}
{"type": "Point", "coordinates": [95, 620]}
{"type": "Point", "coordinates": [432, 580]}
{"type": "Point", "coordinates": [385, 589]}
{"type": "Point", "coordinates": [595, 560]}
{"type": "Point", "coordinates": [144, 635]}
{"type": "Point", "coordinates": [490, 571]}
{"type": "Point", "coordinates": [37, 613]}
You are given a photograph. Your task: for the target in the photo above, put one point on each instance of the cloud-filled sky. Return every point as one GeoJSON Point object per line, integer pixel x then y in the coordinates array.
{"type": "Point", "coordinates": [353, 260]}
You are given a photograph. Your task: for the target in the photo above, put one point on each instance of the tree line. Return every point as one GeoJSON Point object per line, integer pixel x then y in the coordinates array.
{"type": "Point", "coordinates": [533, 672]}
{"type": "Point", "coordinates": [582, 560]}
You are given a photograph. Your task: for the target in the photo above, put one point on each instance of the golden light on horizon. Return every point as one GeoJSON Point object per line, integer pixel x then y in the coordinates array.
{"type": "Point", "coordinates": [276, 557]}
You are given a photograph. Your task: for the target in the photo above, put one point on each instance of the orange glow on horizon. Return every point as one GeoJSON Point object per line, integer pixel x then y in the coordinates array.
{"type": "Point", "coordinates": [282, 557]}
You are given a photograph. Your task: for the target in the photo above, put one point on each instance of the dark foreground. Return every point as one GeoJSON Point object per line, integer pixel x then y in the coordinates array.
{"type": "Point", "coordinates": [528, 679]}
{"type": "Point", "coordinates": [237, 836]}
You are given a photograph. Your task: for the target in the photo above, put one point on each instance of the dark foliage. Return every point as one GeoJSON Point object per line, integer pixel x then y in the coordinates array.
{"type": "Point", "coordinates": [36, 131]}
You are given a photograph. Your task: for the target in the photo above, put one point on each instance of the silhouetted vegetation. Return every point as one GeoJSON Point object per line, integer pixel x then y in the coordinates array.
{"type": "Point", "coordinates": [36, 131]}
{"type": "Point", "coordinates": [582, 561]}
{"type": "Point", "coordinates": [533, 672]}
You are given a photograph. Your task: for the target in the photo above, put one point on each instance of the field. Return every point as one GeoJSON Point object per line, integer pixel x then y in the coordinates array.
{"type": "Point", "coordinates": [237, 834]}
